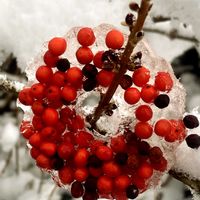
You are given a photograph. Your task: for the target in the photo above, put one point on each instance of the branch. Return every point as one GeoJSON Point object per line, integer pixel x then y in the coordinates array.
{"type": "Point", "coordinates": [184, 178]}
{"type": "Point", "coordinates": [173, 34]}
{"type": "Point", "coordinates": [133, 39]}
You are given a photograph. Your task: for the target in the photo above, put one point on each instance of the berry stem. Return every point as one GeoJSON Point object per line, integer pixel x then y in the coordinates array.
{"type": "Point", "coordinates": [133, 39]}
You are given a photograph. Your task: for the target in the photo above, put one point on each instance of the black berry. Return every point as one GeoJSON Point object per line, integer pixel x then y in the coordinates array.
{"type": "Point", "coordinates": [193, 141]}
{"type": "Point", "coordinates": [191, 121]}
{"type": "Point", "coordinates": [132, 192]}
{"type": "Point", "coordinates": [57, 163]}
{"type": "Point", "coordinates": [94, 161]}
{"type": "Point", "coordinates": [162, 101]}
{"type": "Point", "coordinates": [126, 82]}
{"type": "Point", "coordinates": [89, 71]}
{"type": "Point", "coordinates": [77, 189]}
{"type": "Point", "coordinates": [90, 184]}
{"type": "Point", "coordinates": [121, 158]}
{"type": "Point", "coordinates": [63, 64]}
{"type": "Point", "coordinates": [89, 84]}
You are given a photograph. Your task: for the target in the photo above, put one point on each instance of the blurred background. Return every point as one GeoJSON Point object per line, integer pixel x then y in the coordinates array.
{"type": "Point", "coordinates": [172, 29]}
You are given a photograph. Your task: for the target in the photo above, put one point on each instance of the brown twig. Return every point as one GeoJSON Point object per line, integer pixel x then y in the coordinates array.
{"type": "Point", "coordinates": [132, 42]}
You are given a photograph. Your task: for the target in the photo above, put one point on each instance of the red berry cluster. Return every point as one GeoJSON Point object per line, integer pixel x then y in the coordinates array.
{"type": "Point", "coordinates": [60, 140]}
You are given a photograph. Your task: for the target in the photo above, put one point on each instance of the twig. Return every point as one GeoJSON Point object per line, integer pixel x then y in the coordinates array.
{"type": "Point", "coordinates": [132, 42]}
{"type": "Point", "coordinates": [171, 34]}
{"type": "Point", "coordinates": [184, 178]}
{"type": "Point", "coordinates": [7, 162]}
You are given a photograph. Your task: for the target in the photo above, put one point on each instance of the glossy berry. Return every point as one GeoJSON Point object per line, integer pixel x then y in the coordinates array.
{"type": "Point", "coordinates": [74, 76]}
{"type": "Point", "coordinates": [143, 130]}
{"type": "Point", "coordinates": [144, 113]}
{"type": "Point", "coordinates": [132, 95]}
{"type": "Point", "coordinates": [86, 36]}
{"type": "Point", "coordinates": [118, 144]}
{"type": "Point", "coordinates": [47, 132]}
{"type": "Point", "coordinates": [50, 116]}
{"type": "Point", "coordinates": [63, 64]}
{"type": "Point", "coordinates": [191, 121]}
{"type": "Point", "coordinates": [132, 192]}
{"type": "Point", "coordinates": [38, 107]}
{"type": "Point", "coordinates": [104, 78]}
{"type": "Point", "coordinates": [68, 93]}
{"type": "Point", "coordinates": [162, 127]}
{"type": "Point", "coordinates": [104, 153]}
{"type": "Point", "coordinates": [25, 97]}
{"type": "Point", "coordinates": [37, 91]}
{"type": "Point", "coordinates": [44, 74]}
{"type": "Point", "coordinates": [143, 148]}
{"type": "Point", "coordinates": [81, 174]}
{"type": "Point", "coordinates": [161, 165]}
{"type": "Point", "coordinates": [48, 148]}
{"type": "Point", "coordinates": [58, 79]}
{"type": "Point", "coordinates": [94, 161]}
{"type": "Point", "coordinates": [90, 196]}
{"type": "Point", "coordinates": [126, 82]}
{"type": "Point", "coordinates": [77, 189]}
{"type": "Point", "coordinates": [122, 182]}
{"type": "Point", "coordinates": [148, 93]}
{"type": "Point", "coordinates": [121, 158]}
{"type": "Point", "coordinates": [114, 39]}
{"type": "Point", "coordinates": [49, 59]}
{"type": "Point", "coordinates": [163, 81]}
{"type": "Point", "coordinates": [81, 157]}
{"type": "Point", "coordinates": [57, 163]}
{"type": "Point", "coordinates": [35, 140]}
{"type": "Point", "coordinates": [34, 152]}
{"type": "Point", "coordinates": [65, 150]}
{"type": "Point", "coordinates": [105, 185]}
{"type": "Point", "coordinates": [57, 46]}
{"type": "Point", "coordinates": [141, 76]}
{"type": "Point", "coordinates": [83, 138]}
{"type": "Point", "coordinates": [43, 161]}
{"type": "Point", "coordinates": [89, 84]}
{"type": "Point", "coordinates": [37, 122]}
{"type": "Point", "coordinates": [53, 93]}
{"type": "Point", "coordinates": [84, 55]}
{"type": "Point", "coordinates": [66, 175]}
{"type": "Point", "coordinates": [155, 155]}
{"type": "Point", "coordinates": [97, 60]}
{"type": "Point", "coordinates": [90, 184]}
{"type": "Point", "coordinates": [89, 71]}
{"type": "Point", "coordinates": [162, 101]}
{"type": "Point", "coordinates": [193, 141]}
{"type": "Point", "coordinates": [145, 170]}
{"type": "Point", "coordinates": [111, 169]}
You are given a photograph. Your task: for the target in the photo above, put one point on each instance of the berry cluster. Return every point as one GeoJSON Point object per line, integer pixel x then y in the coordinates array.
{"type": "Point", "coordinates": [60, 140]}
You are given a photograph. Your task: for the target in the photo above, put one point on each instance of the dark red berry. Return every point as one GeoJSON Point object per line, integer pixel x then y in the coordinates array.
{"type": "Point", "coordinates": [121, 158]}
{"type": "Point", "coordinates": [126, 82]}
{"type": "Point", "coordinates": [63, 64]}
{"type": "Point", "coordinates": [94, 161]}
{"type": "Point", "coordinates": [89, 84]}
{"type": "Point", "coordinates": [132, 192]}
{"type": "Point", "coordinates": [89, 71]}
{"type": "Point", "coordinates": [193, 141]}
{"type": "Point", "coordinates": [191, 121]}
{"type": "Point", "coordinates": [77, 189]}
{"type": "Point", "coordinates": [162, 101]}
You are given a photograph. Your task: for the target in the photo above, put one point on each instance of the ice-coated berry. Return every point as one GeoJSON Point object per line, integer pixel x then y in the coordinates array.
{"type": "Point", "coordinates": [162, 127]}
{"type": "Point", "coordinates": [141, 76]}
{"type": "Point", "coordinates": [162, 101]}
{"type": "Point", "coordinates": [86, 36]}
{"type": "Point", "coordinates": [132, 192]}
{"type": "Point", "coordinates": [144, 113]}
{"type": "Point", "coordinates": [193, 141]}
{"type": "Point", "coordinates": [63, 64]}
{"type": "Point", "coordinates": [126, 82]}
{"type": "Point", "coordinates": [84, 55]}
{"type": "Point", "coordinates": [132, 95]}
{"type": "Point", "coordinates": [89, 84]}
{"type": "Point", "coordinates": [89, 71]}
{"type": "Point", "coordinates": [143, 130]}
{"type": "Point", "coordinates": [114, 39]}
{"type": "Point", "coordinates": [105, 185]}
{"type": "Point", "coordinates": [163, 81]}
{"type": "Point", "coordinates": [57, 46]}
{"type": "Point", "coordinates": [191, 121]}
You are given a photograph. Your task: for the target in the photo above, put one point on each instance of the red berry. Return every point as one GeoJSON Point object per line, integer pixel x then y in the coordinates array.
{"type": "Point", "coordinates": [78, 122]}
{"type": "Point", "coordinates": [96, 172]}
{"type": "Point", "coordinates": [25, 97]}
{"type": "Point", "coordinates": [49, 59]}
{"type": "Point", "coordinates": [97, 60]}
{"type": "Point", "coordinates": [122, 182]}
{"type": "Point", "coordinates": [163, 127]}
{"type": "Point", "coordinates": [43, 162]}
{"type": "Point", "coordinates": [50, 116]}
{"type": "Point", "coordinates": [86, 36]}
{"type": "Point", "coordinates": [60, 127]}
{"type": "Point", "coordinates": [111, 169]}
{"type": "Point", "coordinates": [57, 46]}
{"type": "Point", "coordinates": [38, 107]}
{"type": "Point", "coordinates": [65, 114]}
{"type": "Point", "coordinates": [141, 76]}
{"type": "Point", "coordinates": [149, 93]}
{"type": "Point", "coordinates": [81, 174]}
{"type": "Point", "coordinates": [104, 153]}
{"type": "Point", "coordinates": [155, 154]}
{"type": "Point", "coordinates": [69, 93]}
{"type": "Point", "coordinates": [83, 138]}
{"type": "Point", "coordinates": [94, 144]}
{"type": "Point", "coordinates": [163, 81]}
{"type": "Point", "coordinates": [66, 150]}
{"type": "Point", "coordinates": [77, 189]}
{"type": "Point", "coordinates": [37, 90]}
{"type": "Point", "coordinates": [58, 79]}
{"type": "Point", "coordinates": [114, 39]}
{"type": "Point", "coordinates": [161, 165]}
{"type": "Point", "coordinates": [35, 140]}
{"type": "Point", "coordinates": [118, 144]}
{"type": "Point", "coordinates": [143, 130]}
{"type": "Point", "coordinates": [132, 95]}
{"type": "Point", "coordinates": [74, 75]}
{"type": "Point", "coordinates": [44, 74]}
{"type": "Point", "coordinates": [66, 175]}
{"type": "Point", "coordinates": [53, 93]}
{"type": "Point", "coordinates": [47, 132]}
{"type": "Point", "coordinates": [104, 78]}
{"type": "Point", "coordinates": [145, 170]}
{"type": "Point", "coordinates": [48, 148]}
{"type": "Point", "coordinates": [105, 185]}
{"type": "Point", "coordinates": [84, 55]}
{"type": "Point", "coordinates": [34, 152]}
{"type": "Point", "coordinates": [81, 157]}
{"type": "Point", "coordinates": [27, 133]}
{"type": "Point", "coordinates": [37, 122]}
{"type": "Point", "coordinates": [144, 113]}
{"type": "Point", "coordinates": [138, 182]}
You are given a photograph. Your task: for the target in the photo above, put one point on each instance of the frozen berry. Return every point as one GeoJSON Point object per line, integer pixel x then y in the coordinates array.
{"type": "Point", "coordinates": [58, 79]}
{"type": "Point", "coordinates": [114, 39]}
{"type": "Point", "coordinates": [143, 130]}
{"type": "Point", "coordinates": [57, 46]}
{"type": "Point", "coordinates": [81, 157]}
{"type": "Point", "coordinates": [126, 82]}
{"type": "Point", "coordinates": [48, 148]}
{"type": "Point", "coordinates": [111, 169]}
{"type": "Point", "coordinates": [148, 93]}
{"type": "Point", "coordinates": [145, 170]}
{"type": "Point", "coordinates": [66, 175]}
{"type": "Point", "coordinates": [121, 158]}
{"type": "Point", "coordinates": [122, 182]}
{"type": "Point", "coordinates": [89, 84]}
{"type": "Point", "coordinates": [141, 76]}
{"type": "Point", "coordinates": [84, 55]}
{"type": "Point", "coordinates": [50, 116]}
{"type": "Point", "coordinates": [104, 153]}
{"type": "Point", "coordinates": [49, 59]}
{"type": "Point", "coordinates": [65, 150]}
{"type": "Point", "coordinates": [105, 185]}
{"type": "Point", "coordinates": [80, 174]}
{"type": "Point", "coordinates": [89, 71]}
{"type": "Point", "coordinates": [25, 97]}
{"type": "Point", "coordinates": [74, 76]}
{"type": "Point", "coordinates": [193, 141]}
{"type": "Point", "coordinates": [53, 93]}
{"type": "Point", "coordinates": [44, 74]}
{"type": "Point", "coordinates": [97, 60]}
{"type": "Point", "coordinates": [155, 154]}
{"type": "Point", "coordinates": [132, 192]}
{"type": "Point", "coordinates": [43, 162]}
{"type": "Point", "coordinates": [132, 95]}
{"type": "Point", "coordinates": [86, 36]}
{"type": "Point", "coordinates": [163, 81]}
{"type": "Point", "coordinates": [63, 64]}
{"type": "Point", "coordinates": [38, 90]}
{"type": "Point", "coordinates": [118, 144]}
{"type": "Point", "coordinates": [104, 78]}
{"type": "Point", "coordinates": [144, 113]}
{"type": "Point", "coordinates": [69, 93]}
{"type": "Point", "coordinates": [162, 101]}
{"type": "Point", "coordinates": [162, 127]}
{"type": "Point", "coordinates": [191, 121]}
